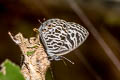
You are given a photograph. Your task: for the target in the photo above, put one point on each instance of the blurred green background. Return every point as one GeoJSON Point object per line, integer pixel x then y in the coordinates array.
{"type": "Point", "coordinates": [91, 60]}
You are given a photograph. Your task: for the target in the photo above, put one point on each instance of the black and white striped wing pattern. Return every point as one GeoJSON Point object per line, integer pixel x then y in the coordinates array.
{"type": "Point", "coordinates": [60, 37]}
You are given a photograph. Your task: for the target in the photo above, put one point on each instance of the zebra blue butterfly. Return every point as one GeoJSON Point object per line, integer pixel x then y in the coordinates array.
{"type": "Point", "coordinates": [60, 37]}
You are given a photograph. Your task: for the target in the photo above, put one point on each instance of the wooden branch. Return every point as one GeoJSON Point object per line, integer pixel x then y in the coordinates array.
{"type": "Point", "coordinates": [35, 62]}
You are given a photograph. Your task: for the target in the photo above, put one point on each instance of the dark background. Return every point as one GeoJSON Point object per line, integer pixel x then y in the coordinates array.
{"type": "Point", "coordinates": [91, 60]}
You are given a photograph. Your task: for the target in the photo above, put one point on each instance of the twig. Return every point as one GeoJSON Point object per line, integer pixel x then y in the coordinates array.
{"type": "Point", "coordinates": [35, 59]}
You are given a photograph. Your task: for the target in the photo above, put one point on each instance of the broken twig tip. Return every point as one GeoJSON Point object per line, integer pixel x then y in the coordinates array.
{"type": "Point", "coordinates": [14, 40]}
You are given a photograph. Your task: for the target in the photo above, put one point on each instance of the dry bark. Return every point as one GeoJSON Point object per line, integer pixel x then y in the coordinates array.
{"type": "Point", "coordinates": [35, 62]}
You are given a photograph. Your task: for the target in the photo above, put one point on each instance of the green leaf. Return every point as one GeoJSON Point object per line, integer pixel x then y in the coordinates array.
{"type": "Point", "coordinates": [30, 52]}
{"type": "Point", "coordinates": [35, 46]}
{"type": "Point", "coordinates": [10, 71]}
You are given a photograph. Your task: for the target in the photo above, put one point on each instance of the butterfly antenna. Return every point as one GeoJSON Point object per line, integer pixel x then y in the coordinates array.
{"type": "Point", "coordinates": [67, 59]}
{"type": "Point", "coordinates": [44, 19]}
{"type": "Point", "coordinates": [64, 62]}
{"type": "Point", "coordinates": [39, 21]}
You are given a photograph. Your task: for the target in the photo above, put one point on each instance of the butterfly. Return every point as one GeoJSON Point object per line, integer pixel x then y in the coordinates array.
{"type": "Point", "coordinates": [60, 37]}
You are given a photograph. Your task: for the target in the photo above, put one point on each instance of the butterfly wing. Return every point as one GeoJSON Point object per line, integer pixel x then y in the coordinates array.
{"type": "Point", "coordinates": [62, 37]}
{"type": "Point", "coordinates": [76, 35]}
{"type": "Point", "coordinates": [54, 37]}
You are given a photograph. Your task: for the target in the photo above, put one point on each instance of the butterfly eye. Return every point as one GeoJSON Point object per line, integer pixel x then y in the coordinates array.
{"type": "Point", "coordinates": [49, 26]}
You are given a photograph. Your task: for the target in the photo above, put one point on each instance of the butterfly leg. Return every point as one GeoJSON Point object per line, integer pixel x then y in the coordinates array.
{"type": "Point", "coordinates": [57, 58]}
{"type": "Point", "coordinates": [54, 57]}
